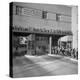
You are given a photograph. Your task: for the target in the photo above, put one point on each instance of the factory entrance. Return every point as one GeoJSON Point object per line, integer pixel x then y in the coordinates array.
{"type": "Point", "coordinates": [34, 44]}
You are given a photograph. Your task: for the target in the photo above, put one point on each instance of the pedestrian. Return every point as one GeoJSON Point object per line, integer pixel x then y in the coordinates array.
{"type": "Point", "coordinates": [77, 53]}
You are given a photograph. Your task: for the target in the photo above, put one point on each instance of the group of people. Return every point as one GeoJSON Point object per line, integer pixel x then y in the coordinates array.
{"type": "Point", "coordinates": [65, 52]}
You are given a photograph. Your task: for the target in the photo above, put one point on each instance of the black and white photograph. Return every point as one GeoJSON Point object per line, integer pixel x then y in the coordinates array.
{"type": "Point", "coordinates": [43, 39]}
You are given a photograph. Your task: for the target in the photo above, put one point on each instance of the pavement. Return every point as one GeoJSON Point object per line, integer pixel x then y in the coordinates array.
{"type": "Point", "coordinates": [46, 65]}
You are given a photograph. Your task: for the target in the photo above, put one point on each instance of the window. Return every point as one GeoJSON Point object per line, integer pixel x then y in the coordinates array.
{"type": "Point", "coordinates": [44, 14]}
{"type": "Point", "coordinates": [18, 10]}
{"type": "Point", "coordinates": [58, 17]}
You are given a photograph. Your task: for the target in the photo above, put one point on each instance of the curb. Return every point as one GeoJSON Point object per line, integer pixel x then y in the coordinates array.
{"type": "Point", "coordinates": [64, 57]}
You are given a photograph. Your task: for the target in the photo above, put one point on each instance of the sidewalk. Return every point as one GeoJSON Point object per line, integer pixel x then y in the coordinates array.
{"type": "Point", "coordinates": [65, 57]}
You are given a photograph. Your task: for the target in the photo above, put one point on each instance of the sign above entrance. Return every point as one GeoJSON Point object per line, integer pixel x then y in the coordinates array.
{"type": "Point", "coordinates": [40, 30]}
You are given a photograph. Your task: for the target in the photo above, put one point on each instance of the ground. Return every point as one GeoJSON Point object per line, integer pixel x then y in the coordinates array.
{"type": "Point", "coordinates": [47, 65]}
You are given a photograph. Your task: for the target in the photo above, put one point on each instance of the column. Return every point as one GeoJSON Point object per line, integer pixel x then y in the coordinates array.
{"type": "Point", "coordinates": [50, 44]}
{"type": "Point", "coordinates": [75, 26]}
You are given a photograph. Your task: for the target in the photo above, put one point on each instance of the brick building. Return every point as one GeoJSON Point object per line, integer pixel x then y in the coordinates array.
{"type": "Point", "coordinates": [45, 23]}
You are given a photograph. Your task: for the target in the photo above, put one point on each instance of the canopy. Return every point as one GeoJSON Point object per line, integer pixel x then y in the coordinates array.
{"type": "Point", "coordinates": [66, 38]}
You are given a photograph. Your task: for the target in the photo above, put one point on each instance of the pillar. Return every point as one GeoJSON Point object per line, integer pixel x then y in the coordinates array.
{"type": "Point", "coordinates": [50, 44]}
{"type": "Point", "coordinates": [75, 27]}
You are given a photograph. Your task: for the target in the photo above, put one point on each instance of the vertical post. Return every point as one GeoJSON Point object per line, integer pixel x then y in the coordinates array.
{"type": "Point", "coordinates": [58, 43]}
{"type": "Point", "coordinates": [50, 44]}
